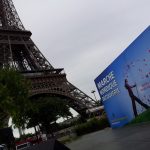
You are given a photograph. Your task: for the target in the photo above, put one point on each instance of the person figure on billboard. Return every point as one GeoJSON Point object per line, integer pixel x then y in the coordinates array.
{"type": "Point", "coordinates": [134, 98]}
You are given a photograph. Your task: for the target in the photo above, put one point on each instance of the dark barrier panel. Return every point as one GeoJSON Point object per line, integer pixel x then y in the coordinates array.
{"type": "Point", "coordinates": [6, 137]}
{"type": "Point", "coordinates": [49, 145]}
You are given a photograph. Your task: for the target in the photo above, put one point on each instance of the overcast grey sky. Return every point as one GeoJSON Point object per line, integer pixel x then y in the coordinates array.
{"type": "Point", "coordinates": [83, 36]}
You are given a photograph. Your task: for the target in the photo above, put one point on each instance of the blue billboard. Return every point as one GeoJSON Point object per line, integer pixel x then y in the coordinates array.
{"type": "Point", "coordinates": [124, 86]}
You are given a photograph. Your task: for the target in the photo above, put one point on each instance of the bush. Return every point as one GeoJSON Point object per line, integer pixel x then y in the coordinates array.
{"type": "Point", "coordinates": [91, 126]}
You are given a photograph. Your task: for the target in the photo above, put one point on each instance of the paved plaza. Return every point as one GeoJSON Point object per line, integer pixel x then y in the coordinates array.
{"type": "Point", "coordinates": [134, 137]}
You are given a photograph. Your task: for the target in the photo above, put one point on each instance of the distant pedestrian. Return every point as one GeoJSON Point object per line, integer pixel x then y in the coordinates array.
{"type": "Point", "coordinates": [134, 98]}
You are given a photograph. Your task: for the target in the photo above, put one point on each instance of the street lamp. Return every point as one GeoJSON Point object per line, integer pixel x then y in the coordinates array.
{"type": "Point", "coordinates": [93, 92]}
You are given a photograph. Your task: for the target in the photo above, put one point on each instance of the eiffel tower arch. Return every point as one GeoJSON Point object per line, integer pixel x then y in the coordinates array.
{"type": "Point", "coordinates": [18, 51]}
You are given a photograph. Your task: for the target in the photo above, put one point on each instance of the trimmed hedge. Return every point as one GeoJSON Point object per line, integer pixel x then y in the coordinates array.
{"type": "Point", "coordinates": [91, 126]}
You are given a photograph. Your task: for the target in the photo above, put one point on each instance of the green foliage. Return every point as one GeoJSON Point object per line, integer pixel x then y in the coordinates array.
{"type": "Point", "coordinates": [72, 123]}
{"type": "Point", "coordinates": [15, 103]}
{"type": "Point", "coordinates": [143, 117]}
{"type": "Point", "coordinates": [13, 95]}
{"type": "Point", "coordinates": [47, 111]}
{"type": "Point", "coordinates": [91, 126]}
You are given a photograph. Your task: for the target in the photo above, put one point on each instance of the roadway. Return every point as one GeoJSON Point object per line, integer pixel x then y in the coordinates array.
{"type": "Point", "coordinates": [133, 137]}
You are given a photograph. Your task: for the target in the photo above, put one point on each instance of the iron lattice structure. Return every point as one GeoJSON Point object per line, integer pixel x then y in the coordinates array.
{"type": "Point", "coordinates": [17, 50]}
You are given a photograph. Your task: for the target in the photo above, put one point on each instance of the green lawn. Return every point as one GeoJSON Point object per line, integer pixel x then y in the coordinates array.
{"type": "Point", "coordinates": [143, 117]}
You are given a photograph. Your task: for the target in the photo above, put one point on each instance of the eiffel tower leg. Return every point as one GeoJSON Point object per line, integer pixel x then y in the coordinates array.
{"type": "Point", "coordinates": [54, 83]}
{"type": "Point", "coordinates": [18, 51]}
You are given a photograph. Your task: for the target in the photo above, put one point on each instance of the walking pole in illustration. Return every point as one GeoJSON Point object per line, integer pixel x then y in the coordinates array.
{"type": "Point", "coordinates": [137, 90]}
{"type": "Point", "coordinates": [138, 95]}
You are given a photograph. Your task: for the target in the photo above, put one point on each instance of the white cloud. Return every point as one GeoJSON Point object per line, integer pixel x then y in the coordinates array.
{"type": "Point", "coordinates": [83, 36]}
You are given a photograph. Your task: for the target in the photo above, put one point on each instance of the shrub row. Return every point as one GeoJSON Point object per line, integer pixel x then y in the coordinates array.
{"type": "Point", "coordinates": [91, 126]}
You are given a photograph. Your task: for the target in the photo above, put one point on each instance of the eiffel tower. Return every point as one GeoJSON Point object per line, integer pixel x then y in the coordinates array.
{"type": "Point", "coordinates": [17, 50]}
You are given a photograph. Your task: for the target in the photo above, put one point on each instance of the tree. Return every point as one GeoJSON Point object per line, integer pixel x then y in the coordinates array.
{"type": "Point", "coordinates": [14, 100]}
{"type": "Point", "coordinates": [47, 111]}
